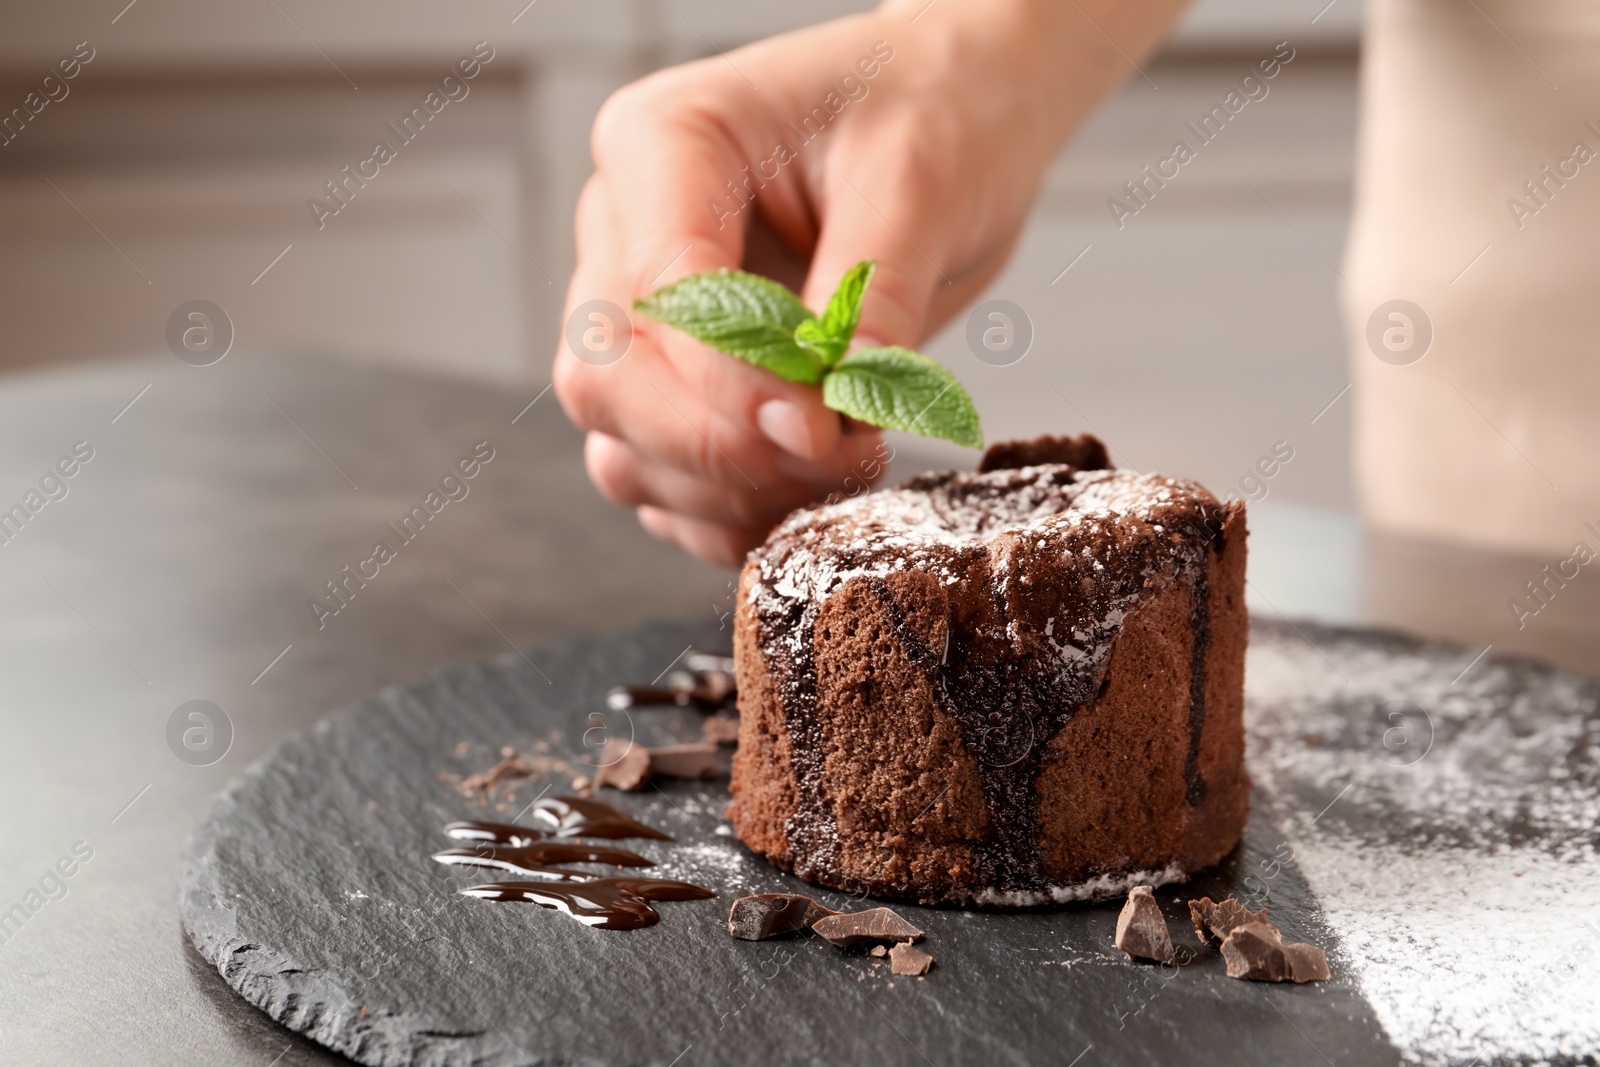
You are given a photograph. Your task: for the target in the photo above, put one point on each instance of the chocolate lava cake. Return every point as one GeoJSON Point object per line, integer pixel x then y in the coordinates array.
{"type": "Point", "coordinates": [1011, 687]}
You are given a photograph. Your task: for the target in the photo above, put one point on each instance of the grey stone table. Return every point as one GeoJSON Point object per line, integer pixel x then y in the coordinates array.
{"type": "Point", "coordinates": [179, 565]}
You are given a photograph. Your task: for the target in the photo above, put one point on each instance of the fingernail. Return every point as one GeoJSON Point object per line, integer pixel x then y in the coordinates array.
{"type": "Point", "coordinates": [785, 426]}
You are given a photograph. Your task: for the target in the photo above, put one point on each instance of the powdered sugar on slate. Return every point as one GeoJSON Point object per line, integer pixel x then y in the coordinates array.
{"type": "Point", "coordinates": [1460, 873]}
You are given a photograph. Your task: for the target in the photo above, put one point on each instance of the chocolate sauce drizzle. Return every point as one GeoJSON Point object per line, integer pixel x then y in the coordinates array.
{"type": "Point", "coordinates": [1001, 674]}
{"type": "Point", "coordinates": [705, 682]}
{"type": "Point", "coordinates": [495, 833]}
{"type": "Point", "coordinates": [538, 856]}
{"type": "Point", "coordinates": [582, 817]}
{"type": "Point", "coordinates": [609, 903]}
{"type": "Point", "coordinates": [606, 903]}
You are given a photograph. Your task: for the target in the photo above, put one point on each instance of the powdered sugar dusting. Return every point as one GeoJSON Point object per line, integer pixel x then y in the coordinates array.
{"type": "Point", "coordinates": [943, 524]}
{"type": "Point", "coordinates": [1103, 887]}
{"type": "Point", "coordinates": [1460, 873]}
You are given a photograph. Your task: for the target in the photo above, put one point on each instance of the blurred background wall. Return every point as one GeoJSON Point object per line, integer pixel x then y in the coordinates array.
{"type": "Point", "coordinates": [1195, 337]}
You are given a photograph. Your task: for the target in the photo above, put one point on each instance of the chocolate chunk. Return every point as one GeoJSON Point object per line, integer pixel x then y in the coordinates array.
{"type": "Point", "coordinates": [873, 926]}
{"type": "Point", "coordinates": [720, 729]}
{"type": "Point", "coordinates": [906, 958]}
{"type": "Point", "coordinates": [623, 765]}
{"type": "Point", "coordinates": [1141, 928]}
{"type": "Point", "coordinates": [511, 765]}
{"type": "Point", "coordinates": [878, 950]}
{"type": "Point", "coordinates": [764, 915]}
{"type": "Point", "coordinates": [1256, 951]}
{"type": "Point", "coordinates": [1214, 922]}
{"type": "Point", "coordinates": [629, 765]}
{"type": "Point", "coordinates": [1307, 963]}
{"type": "Point", "coordinates": [686, 761]}
{"type": "Point", "coordinates": [1086, 452]}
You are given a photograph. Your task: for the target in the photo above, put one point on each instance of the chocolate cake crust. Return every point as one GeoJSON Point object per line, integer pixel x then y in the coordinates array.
{"type": "Point", "coordinates": [1005, 687]}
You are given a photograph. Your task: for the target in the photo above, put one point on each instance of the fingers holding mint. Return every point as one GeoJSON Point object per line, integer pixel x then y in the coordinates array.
{"type": "Point", "coordinates": [756, 320]}
{"type": "Point", "coordinates": [716, 421]}
{"type": "Point", "coordinates": [671, 396]}
{"type": "Point", "coordinates": [679, 429]}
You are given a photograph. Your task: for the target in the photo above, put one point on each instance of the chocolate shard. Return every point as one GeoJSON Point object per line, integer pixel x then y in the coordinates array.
{"type": "Point", "coordinates": [511, 765]}
{"type": "Point", "coordinates": [720, 729]}
{"type": "Point", "coordinates": [878, 950]}
{"type": "Point", "coordinates": [1307, 963]}
{"type": "Point", "coordinates": [906, 958]}
{"type": "Point", "coordinates": [1256, 951]}
{"type": "Point", "coordinates": [764, 915]}
{"type": "Point", "coordinates": [1085, 451]}
{"type": "Point", "coordinates": [1214, 922]}
{"type": "Point", "coordinates": [874, 926]}
{"type": "Point", "coordinates": [629, 766]}
{"type": "Point", "coordinates": [624, 765]}
{"type": "Point", "coordinates": [698, 760]}
{"type": "Point", "coordinates": [1142, 929]}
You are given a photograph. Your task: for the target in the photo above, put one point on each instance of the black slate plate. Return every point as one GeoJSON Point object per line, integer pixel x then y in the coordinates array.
{"type": "Point", "coordinates": [310, 888]}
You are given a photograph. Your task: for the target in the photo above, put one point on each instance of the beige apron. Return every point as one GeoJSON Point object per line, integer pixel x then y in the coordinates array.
{"type": "Point", "coordinates": [1478, 202]}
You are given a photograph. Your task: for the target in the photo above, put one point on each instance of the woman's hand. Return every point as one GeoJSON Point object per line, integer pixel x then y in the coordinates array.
{"type": "Point", "coordinates": [916, 136]}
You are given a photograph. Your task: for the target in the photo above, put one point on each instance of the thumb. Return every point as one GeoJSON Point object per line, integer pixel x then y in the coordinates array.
{"type": "Point", "coordinates": [878, 220]}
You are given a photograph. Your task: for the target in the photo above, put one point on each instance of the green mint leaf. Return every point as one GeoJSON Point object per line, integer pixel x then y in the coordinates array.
{"type": "Point", "coordinates": [744, 315]}
{"type": "Point", "coordinates": [839, 318]}
{"type": "Point", "coordinates": [899, 389]}
{"type": "Point", "coordinates": [812, 336]}
{"type": "Point", "coordinates": [830, 338]}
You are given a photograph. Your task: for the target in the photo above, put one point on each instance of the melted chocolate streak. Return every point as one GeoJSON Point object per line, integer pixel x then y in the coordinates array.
{"type": "Point", "coordinates": [537, 857]}
{"type": "Point", "coordinates": [995, 692]}
{"type": "Point", "coordinates": [614, 903]}
{"type": "Point", "coordinates": [606, 903]}
{"type": "Point", "coordinates": [813, 840]}
{"type": "Point", "coordinates": [1200, 587]}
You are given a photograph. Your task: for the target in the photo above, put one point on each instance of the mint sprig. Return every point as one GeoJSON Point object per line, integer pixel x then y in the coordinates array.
{"type": "Point", "coordinates": [762, 322]}
{"type": "Point", "coordinates": [744, 315]}
{"type": "Point", "coordinates": [903, 390]}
